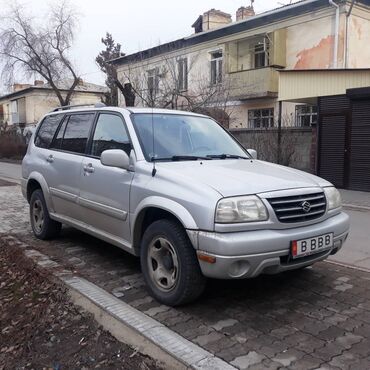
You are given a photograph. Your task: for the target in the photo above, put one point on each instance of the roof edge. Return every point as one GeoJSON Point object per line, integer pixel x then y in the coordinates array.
{"type": "Point", "coordinates": [278, 14]}
{"type": "Point", "coordinates": [34, 88]}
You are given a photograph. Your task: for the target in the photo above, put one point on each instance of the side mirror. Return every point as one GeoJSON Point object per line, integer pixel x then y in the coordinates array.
{"type": "Point", "coordinates": [115, 158]}
{"type": "Point", "coordinates": [253, 153]}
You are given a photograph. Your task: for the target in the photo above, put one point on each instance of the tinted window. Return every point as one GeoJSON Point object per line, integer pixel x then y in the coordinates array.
{"type": "Point", "coordinates": [47, 130]}
{"type": "Point", "coordinates": [110, 133]}
{"type": "Point", "coordinates": [57, 142]}
{"type": "Point", "coordinates": [77, 132]}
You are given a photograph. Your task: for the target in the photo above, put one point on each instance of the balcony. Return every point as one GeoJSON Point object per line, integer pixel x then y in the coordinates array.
{"type": "Point", "coordinates": [254, 83]}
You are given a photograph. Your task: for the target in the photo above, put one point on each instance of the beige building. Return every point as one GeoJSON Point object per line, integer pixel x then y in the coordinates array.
{"type": "Point", "coordinates": [26, 104]}
{"type": "Point", "coordinates": [239, 61]}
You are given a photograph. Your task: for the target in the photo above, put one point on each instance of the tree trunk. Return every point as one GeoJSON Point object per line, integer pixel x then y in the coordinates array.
{"type": "Point", "coordinates": [127, 93]}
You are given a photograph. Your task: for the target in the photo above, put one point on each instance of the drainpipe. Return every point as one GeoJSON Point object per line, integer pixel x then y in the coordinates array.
{"type": "Point", "coordinates": [336, 37]}
{"type": "Point", "coordinates": [279, 133]}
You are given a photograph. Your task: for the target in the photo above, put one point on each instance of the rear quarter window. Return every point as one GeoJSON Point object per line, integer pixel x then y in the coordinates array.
{"type": "Point", "coordinates": [47, 130]}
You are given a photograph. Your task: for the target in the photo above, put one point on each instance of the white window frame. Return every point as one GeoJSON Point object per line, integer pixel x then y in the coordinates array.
{"type": "Point", "coordinates": [182, 69]}
{"type": "Point", "coordinates": [304, 113]}
{"type": "Point", "coordinates": [261, 118]}
{"type": "Point", "coordinates": [153, 75]}
{"type": "Point", "coordinates": [216, 66]}
{"type": "Point", "coordinates": [261, 47]}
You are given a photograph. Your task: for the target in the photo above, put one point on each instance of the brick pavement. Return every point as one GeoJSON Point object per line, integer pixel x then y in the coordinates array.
{"type": "Point", "coordinates": [315, 318]}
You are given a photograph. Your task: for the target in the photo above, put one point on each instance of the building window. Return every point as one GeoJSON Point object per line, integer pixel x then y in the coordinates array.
{"type": "Point", "coordinates": [182, 65]}
{"type": "Point", "coordinates": [153, 82]}
{"type": "Point", "coordinates": [261, 118]}
{"type": "Point", "coordinates": [305, 115]}
{"type": "Point", "coordinates": [261, 53]}
{"type": "Point", "coordinates": [216, 67]}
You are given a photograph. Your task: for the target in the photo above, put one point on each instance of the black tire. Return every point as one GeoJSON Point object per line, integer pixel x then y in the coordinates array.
{"type": "Point", "coordinates": [46, 228]}
{"type": "Point", "coordinates": [190, 282]}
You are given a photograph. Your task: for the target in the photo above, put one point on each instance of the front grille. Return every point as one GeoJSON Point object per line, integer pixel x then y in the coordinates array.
{"type": "Point", "coordinates": [291, 209]}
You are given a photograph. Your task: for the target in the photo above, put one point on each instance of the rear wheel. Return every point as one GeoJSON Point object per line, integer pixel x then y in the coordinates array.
{"type": "Point", "coordinates": [169, 264]}
{"type": "Point", "coordinates": [43, 226]}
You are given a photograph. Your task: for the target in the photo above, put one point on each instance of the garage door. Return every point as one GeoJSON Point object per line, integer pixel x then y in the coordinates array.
{"type": "Point", "coordinates": [333, 142]}
{"type": "Point", "coordinates": [332, 149]}
{"type": "Point", "coordinates": [359, 168]}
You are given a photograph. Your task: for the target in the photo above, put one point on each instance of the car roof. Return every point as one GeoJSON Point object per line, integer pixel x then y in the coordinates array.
{"type": "Point", "coordinates": [126, 109]}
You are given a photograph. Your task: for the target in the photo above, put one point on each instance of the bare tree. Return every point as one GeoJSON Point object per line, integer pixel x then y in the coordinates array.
{"type": "Point", "coordinates": [41, 47]}
{"type": "Point", "coordinates": [162, 85]}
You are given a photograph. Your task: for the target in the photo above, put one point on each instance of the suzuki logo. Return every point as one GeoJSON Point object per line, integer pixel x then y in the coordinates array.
{"type": "Point", "coordinates": [306, 206]}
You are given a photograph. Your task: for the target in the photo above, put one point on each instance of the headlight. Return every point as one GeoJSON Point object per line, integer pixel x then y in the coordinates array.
{"type": "Point", "coordinates": [240, 209]}
{"type": "Point", "coordinates": [333, 197]}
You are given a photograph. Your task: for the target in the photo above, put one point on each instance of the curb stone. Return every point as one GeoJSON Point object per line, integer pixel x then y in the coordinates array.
{"type": "Point", "coordinates": [355, 207]}
{"type": "Point", "coordinates": [130, 325]}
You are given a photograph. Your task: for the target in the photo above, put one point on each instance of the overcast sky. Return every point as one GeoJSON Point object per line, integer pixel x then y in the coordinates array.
{"type": "Point", "coordinates": [137, 24]}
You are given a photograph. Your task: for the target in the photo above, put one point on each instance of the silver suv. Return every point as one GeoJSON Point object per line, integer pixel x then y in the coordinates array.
{"type": "Point", "coordinates": [179, 191]}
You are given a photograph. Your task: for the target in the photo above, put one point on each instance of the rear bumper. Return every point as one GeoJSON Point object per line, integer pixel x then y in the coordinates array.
{"type": "Point", "coordinates": [265, 251]}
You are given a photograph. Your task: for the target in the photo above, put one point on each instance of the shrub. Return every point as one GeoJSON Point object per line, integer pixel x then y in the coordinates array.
{"type": "Point", "coordinates": [12, 145]}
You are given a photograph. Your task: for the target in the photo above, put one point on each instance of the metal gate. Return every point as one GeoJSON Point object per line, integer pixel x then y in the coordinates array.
{"type": "Point", "coordinates": [359, 161]}
{"type": "Point", "coordinates": [333, 129]}
{"type": "Point", "coordinates": [344, 141]}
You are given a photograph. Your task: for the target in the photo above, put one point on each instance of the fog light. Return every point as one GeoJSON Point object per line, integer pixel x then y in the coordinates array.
{"type": "Point", "coordinates": [337, 244]}
{"type": "Point", "coordinates": [238, 268]}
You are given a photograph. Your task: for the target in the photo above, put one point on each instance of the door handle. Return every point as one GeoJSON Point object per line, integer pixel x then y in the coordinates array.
{"type": "Point", "coordinates": [89, 168]}
{"type": "Point", "coordinates": [50, 159]}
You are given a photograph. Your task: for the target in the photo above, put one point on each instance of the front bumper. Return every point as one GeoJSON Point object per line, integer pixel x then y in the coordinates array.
{"type": "Point", "coordinates": [251, 253]}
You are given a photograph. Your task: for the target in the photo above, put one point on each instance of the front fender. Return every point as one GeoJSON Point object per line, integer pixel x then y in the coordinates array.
{"type": "Point", "coordinates": [179, 211]}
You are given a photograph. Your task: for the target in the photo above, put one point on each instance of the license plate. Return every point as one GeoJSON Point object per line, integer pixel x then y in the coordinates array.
{"type": "Point", "coordinates": [306, 247]}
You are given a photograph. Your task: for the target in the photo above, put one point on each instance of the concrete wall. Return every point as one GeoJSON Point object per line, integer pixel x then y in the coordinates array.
{"type": "Point", "coordinates": [40, 103]}
{"type": "Point", "coordinates": [310, 44]}
{"type": "Point", "coordinates": [359, 39]}
{"type": "Point", "coordinates": [296, 145]}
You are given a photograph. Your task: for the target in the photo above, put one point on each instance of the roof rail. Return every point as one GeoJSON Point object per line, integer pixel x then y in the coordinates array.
{"type": "Point", "coordinates": [65, 107]}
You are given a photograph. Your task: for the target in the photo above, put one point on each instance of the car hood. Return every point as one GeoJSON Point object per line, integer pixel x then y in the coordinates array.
{"type": "Point", "coordinates": [233, 177]}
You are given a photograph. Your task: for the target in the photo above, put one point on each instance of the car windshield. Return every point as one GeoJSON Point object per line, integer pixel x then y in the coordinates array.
{"type": "Point", "coordinates": [179, 137]}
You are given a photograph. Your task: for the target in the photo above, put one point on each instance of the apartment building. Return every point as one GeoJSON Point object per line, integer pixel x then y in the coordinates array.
{"type": "Point", "coordinates": [235, 64]}
{"type": "Point", "coordinates": [27, 103]}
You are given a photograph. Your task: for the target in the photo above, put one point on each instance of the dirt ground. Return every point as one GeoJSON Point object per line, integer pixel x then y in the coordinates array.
{"type": "Point", "coordinates": [41, 329]}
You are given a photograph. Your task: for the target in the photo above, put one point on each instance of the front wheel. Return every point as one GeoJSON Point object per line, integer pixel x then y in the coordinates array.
{"type": "Point", "coordinates": [169, 264]}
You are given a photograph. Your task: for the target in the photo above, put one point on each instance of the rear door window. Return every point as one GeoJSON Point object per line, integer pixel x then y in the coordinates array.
{"type": "Point", "coordinates": [76, 133]}
{"type": "Point", "coordinates": [47, 130]}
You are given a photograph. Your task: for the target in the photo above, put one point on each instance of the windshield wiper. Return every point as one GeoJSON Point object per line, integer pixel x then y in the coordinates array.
{"type": "Point", "coordinates": [175, 158]}
{"type": "Point", "coordinates": [226, 156]}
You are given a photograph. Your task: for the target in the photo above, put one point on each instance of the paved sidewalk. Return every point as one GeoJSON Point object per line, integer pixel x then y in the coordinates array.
{"type": "Point", "coordinates": [355, 198]}
{"type": "Point", "coordinates": [310, 319]}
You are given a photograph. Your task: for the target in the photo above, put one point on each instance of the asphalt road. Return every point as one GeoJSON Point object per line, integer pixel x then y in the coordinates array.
{"type": "Point", "coordinates": [10, 171]}
{"type": "Point", "coordinates": [356, 251]}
